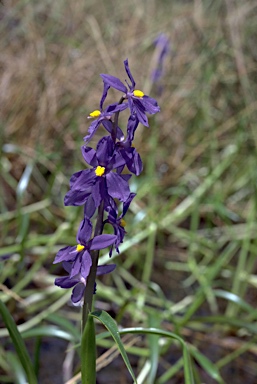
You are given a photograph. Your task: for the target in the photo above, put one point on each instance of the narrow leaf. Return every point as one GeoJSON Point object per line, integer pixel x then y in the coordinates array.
{"type": "Point", "coordinates": [111, 325]}
{"type": "Point", "coordinates": [155, 331]}
{"type": "Point", "coordinates": [18, 344]}
{"type": "Point", "coordinates": [207, 365]}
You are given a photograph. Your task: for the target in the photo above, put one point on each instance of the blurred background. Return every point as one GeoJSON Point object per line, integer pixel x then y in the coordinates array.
{"type": "Point", "coordinates": [188, 264]}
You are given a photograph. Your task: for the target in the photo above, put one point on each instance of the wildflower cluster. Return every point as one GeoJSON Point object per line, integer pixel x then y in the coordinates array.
{"type": "Point", "coordinates": [104, 187]}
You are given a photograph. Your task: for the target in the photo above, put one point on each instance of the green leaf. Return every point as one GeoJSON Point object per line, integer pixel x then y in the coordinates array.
{"type": "Point", "coordinates": [49, 331]}
{"type": "Point", "coordinates": [234, 299]}
{"type": "Point", "coordinates": [111, 325]}
{"type": "Point", "coordinates": [154, 331]}
{"type": "Point", "coordinates": [17, 369]}
{"type": "Point", "coordinates": [88, 353]}
{"type": "Point", "coordinates": [154, 321]}
{"type": "Point", "coordinates": [206, 364]}
{"type": "Point", "coordinates": [18, 344]}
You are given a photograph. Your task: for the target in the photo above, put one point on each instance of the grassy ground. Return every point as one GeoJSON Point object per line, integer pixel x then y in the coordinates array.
{"type": "Point", "coordinates": [189, 262]}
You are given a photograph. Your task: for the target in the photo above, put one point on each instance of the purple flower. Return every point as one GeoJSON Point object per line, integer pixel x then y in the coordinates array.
{"type": "Point", "coordinates": [79, 282]}
{"type": "Point", "coordinates": [117, 222]}
{"type": "Point", "coordinates": [100, 183]}
{"type": "Point", "coordinates": [162, 44]}
{"type": "Point", "coordinates": [104, 118]}
{"type": "Point", "coordinates": [79, 254]}
{"type": "Point", "coordinates": [138, 102]}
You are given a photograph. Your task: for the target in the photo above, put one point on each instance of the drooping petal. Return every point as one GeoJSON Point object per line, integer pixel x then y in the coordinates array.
{"type": "Point", "coordinates": [104, 150]}
{"type": "Point", "coordinates": [133, 83]}
{"type": "Point", "coordinates": [89, 155]}
{"type": "Point", "coordinates": [84, 232]}
{"type": "Point", "coordinates": [89, 207]}
{"type": "Point", "coordinates": [78, 292]}
{"type": "Point", "coordinates": [104, 269]}
{"type": "Point", "coordinates": [118, 188]}
{"type": "Point", "coordinates": [114, 82]}
{"type": "Point", "coordinates": [127, 203]}
{"type": "Point", "coordinates": [86, 263]}
{"type": "Point", "coordinates": [76, 266]}
{"type": "Point", "coordinates": [131, 128]}
{"type": "Point", "coordinates": [136, 165]}
{"type": "Point", "coordinates": [65, 282]}
{"type": "Point", "coordinates": [102, 241]}
{"type": "Point", "coordinates": [140, 112]}
{"type": "Point", "coordinates": [92, 130]}
{"type": "Point", "coordinates": [96, 192]}
{"type": "Point", "coordinates": [67, 266]}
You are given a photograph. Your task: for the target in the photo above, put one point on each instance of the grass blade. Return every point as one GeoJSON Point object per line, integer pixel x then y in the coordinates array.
{"type": "Point", "coordinates": [18, 344]}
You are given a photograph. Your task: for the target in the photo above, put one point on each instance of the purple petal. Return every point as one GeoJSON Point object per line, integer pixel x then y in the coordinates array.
{"type": "Point", "coordinates": [112, 108]}
{"type": "Point", "coordinates": [127, 203]}
{"type": "Point", "coordinates": [85, 231]}
{"type": "Point", "coordinates": [129, 74]}
{"type": "Point", "coordinates": [104, 150]}
{"type": "Point", "coordinates": [86, 264]}
{"type": "Point", "coordinates": [102, 241]}
{"type": "Point", "coordinates": [65, 254]}
{"type": "Point", "coordinates": [114, 82]}
{"type": "Point", "coordinates": [76, 197]}
{"type": "Point", "coordinates": [76, 266]}
{"type": "Point", "coordinates": [126, 176]}
{"type": "Point", "coordinates": [82, 180]}
{"type": "Point", "coordinates": [105, 91]}
{"type": "Point", "coordinates": [118, 188]}
{"type": "Point", "coordinates": [96, 192]}
{"type": "Point", "coordinates": [109, 127]}
{"type": "Point", "coordinates": [131, 127]}
{"type": "Point", "coordinates": [90, 207]}
{"type": "Point", "coordinates": [89, 155]}
{"type": "Point", "coordinates": [136, 166]}
{"type": "Point", "coordinates": [78, 292]}
{"type": "Point", "coordinates": [65, 282]}
{"type": "Point", "coordinates": [91, 130]}
{"type": "Point", "coordinates": [150, 105]}
{"type": "Point", "coordinates": [140, 112]}
{"type": "Point", "coordinates": [67, 266]}
{"type": "Point", "coordinates": [103, 269]}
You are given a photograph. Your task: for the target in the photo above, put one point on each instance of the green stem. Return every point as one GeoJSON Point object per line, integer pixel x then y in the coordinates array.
{"type": "Point", "coordinates": [89, 292]}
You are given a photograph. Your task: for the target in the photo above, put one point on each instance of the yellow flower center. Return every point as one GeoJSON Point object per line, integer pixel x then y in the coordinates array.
{"type": "Point", "coordinates": [80, 248]}
{"type": "Point", "coordinates": [95, 113]}
{"type": "Point", "coordinates": [99, 171]}
{"type": "Point", "coordinates": [122, 223]}
{"type": "Point", "coordinates": [138, 93]}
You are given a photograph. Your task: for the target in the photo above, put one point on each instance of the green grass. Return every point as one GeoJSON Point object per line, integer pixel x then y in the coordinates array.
{"type": "Point", "coordinates": [188, 265]}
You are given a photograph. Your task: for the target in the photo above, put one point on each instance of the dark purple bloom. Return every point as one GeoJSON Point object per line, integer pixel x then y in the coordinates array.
{"type": "Point", "coordinates": [131, 157]}
{"type": "Point", "coordinates": [79, 254]}
{"type": "Point", "coordinates": [104, 118]}
{"type": "Point", "coordinates": [117, 222]}
{"type": "Point", "coordinates": [79, 282]}
{"type": "Point", "coordinates": [127, 151]}
{"type": "Point", "coordinates": [138, 102]}
{"type": "Point", "coordinates": [99, 183]}
{"type": "Point", "coordinates": [162, 44]}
